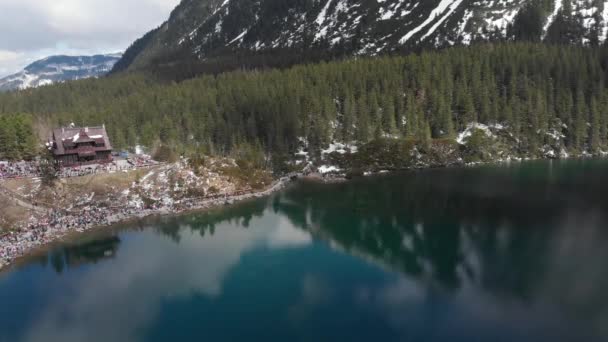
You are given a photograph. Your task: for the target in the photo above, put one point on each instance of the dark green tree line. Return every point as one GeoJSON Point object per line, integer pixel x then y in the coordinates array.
{"type": "Point", "coordinates": [17, 139]}
{"type": "Point", "coordinates": [536, 90]}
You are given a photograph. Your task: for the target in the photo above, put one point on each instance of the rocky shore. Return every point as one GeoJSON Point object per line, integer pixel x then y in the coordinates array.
{"type": "Point", "coordinates": [157, 187]}
{"type": "Point", "coordinates": [57, 225]}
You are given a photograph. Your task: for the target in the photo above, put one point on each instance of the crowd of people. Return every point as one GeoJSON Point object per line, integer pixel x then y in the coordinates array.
{"type": "Point", "coordinates": [20, 169]}
{"type": "Point", "coordinates": [32, 169]}
{"type": "Point", "coordinates": [57, 223]}
{"type": "Point", "coordinates": [114, 166]}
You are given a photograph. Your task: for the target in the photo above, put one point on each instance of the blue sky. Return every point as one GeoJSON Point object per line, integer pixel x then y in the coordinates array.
{"type": "Point", "coordinates": [33, 29]}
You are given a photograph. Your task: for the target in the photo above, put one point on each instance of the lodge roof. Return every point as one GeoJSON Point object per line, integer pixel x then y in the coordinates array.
{"type": "Point", "coordinates": [68, 137]}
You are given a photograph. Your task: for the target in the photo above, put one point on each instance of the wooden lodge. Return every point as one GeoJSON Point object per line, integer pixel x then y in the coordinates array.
{"type": "Point", "coordinates": [81, 145]}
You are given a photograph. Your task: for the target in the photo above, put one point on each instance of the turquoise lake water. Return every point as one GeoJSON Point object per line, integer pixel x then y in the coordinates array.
{"type": "Point", "coordinates": [513, 252]}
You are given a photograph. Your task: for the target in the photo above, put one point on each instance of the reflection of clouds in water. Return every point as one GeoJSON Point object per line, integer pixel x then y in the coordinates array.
{"type": "Point", "coordinates": [422, 311]}
{"type": "Point", "coordinates": [286, 235]}
{"type": "Point", "coordinates": [401, 292]}
{"type": "Point", "coordinates": [572, 276]}
{"type": "Point", "coordinates": [478, 277]}
{"type": "Point", "coordinates": [564, 297]}
{"type": "Point", "coordinates": [124, 294]}
{"type": "Point", "coordinates": [541, 281]}
{"type": "Point", "coordinates": [315, 291]}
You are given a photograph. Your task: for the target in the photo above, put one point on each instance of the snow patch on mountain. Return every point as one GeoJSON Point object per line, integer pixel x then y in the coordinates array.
{"type": "Point", "coordinates": [440, 9]}
{"type": "Point", "coordinates": [604, 35]}
{"type": "Point", "coordinates": [55, 69]}
{"type": "Point", "coordinates": [556, 8]}
{"type": "Point", "coordinates": [355, 27]}
{"type": "Point", "coordinates": [451, 10]}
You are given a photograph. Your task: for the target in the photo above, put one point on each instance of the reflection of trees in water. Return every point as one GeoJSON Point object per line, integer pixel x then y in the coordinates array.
{"type": "Point", "coordinates": [506, 231]}
{"type": "Point", "coordinates": [171, 227]}
{"type": "Point", "coordinates": [74, 255]}
{"type": "Point", "coordinates": [493, 229]}
{"type": "Point", "coordinates": [205, 222]}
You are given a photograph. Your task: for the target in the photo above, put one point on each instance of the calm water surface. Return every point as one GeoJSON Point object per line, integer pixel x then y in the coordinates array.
{"type": "Point", "coordinates": [510, 253]}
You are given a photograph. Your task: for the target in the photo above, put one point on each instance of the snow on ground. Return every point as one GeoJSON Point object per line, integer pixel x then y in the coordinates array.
{"type": "Point", "coordinates": [323, 169]}
{"type": "Point", "coordinates": [466, 37]}
{"type": "Point", "coordinates": [555, 134]}
{"type": "Point", "coordinates": [605, 19]}
{"type": "Point", "coordinates": [169, 184]}
{"type": "Point", "coordinates": [239, 37]}
{"type": "Point", "coordinates": [558, 6]}
{"type": "Point", "coordinates": [451, 10]}
{"type": "Point", "coordinates": [548, 152]}
{"type": "Point", "coordinates": [340, 147]}
{"type": "Point", "coordinates": [501, 22]}
{"type": "Point", "coordinates": [193, 32]}
{"type": "Point", "coordinates": [302, 157]}
{"type": "Point", "coordinates": [321, 20]}
{"type": "Point", "coordinates": [336, 147]}
{"type": "Point", "coordinates": [444, 5]}
{"type": "Point", "coordinates": [462, 136]}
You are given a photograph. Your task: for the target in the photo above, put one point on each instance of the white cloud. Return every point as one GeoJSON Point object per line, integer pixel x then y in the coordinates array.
{"type": "Point", "coordinates": [30, 29]}
{"type": "Point", "coordinates": [9, 60]}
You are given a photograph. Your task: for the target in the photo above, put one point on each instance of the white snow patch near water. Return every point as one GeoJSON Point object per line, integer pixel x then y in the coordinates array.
{"type": "Point", "coordinates": [462, 137]}
{"type": "Point", "coordinates": [323, 169]}
{"type": "Point", "coordinates": [555, 135]}
{"type": "Point", "coordinates": [341, 148]}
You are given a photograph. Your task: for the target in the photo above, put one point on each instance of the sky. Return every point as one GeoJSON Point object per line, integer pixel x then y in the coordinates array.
{"type": "Point", "coordinates": [34, 29]}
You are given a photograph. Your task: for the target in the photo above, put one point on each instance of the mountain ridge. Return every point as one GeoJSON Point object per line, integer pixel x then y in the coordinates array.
{"type": "Point", "coordinates": [59, 68]}
{"type": "Point", "coordinates": [198, 31]}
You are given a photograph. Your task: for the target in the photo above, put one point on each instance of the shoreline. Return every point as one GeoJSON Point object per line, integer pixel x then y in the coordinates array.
{"type": "Point", "coordinates": [115, 217]}
{"type": "Point", "coordinates": [30, 246]}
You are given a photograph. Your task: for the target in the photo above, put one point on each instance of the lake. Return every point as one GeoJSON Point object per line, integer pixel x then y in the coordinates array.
{"type": "Point", "coordinates": [516, 252]}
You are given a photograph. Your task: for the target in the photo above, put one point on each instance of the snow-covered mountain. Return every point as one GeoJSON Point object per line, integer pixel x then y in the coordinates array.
{"type": "Point", "coordinates": [58, 69]}
{"type": "Point", "coordinates": [204, 29]}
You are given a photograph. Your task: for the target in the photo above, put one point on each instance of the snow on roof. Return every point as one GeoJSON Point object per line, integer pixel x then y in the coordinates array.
{"type": "Point", "coordinates": [73, 135]}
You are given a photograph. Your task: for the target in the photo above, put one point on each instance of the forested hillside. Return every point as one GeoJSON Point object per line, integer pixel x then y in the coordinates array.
{"type": "Point", "coordinates": [540, 93]}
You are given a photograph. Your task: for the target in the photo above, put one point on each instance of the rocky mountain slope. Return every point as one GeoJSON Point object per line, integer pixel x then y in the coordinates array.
{"type": "Point", "coordinates": [203, 29]}
{"type": "Point", "coordinates": [58, 69]}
